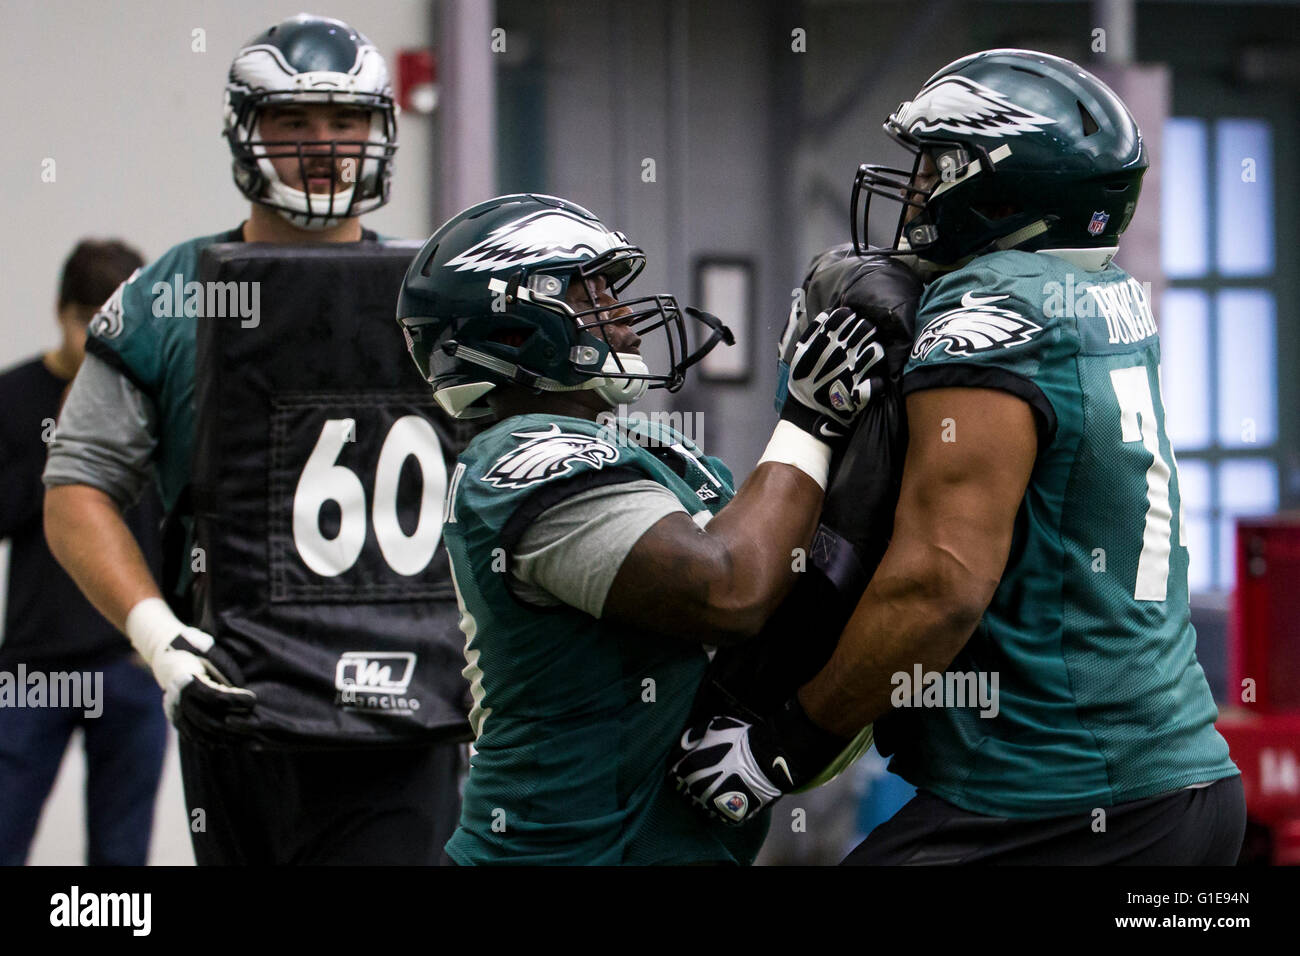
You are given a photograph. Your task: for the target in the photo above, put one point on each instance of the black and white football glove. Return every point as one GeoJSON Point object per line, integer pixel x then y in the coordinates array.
{"type": "Point", "coordinates": [731, 768]}
{"type": "Point", "coordinates": [830, 379]}
{"type": "Point", "coordinates": [195, 691]}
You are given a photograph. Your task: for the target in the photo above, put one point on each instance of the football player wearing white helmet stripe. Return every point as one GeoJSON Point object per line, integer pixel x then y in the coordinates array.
{"type": "Point", "coordinates": [310, 122]}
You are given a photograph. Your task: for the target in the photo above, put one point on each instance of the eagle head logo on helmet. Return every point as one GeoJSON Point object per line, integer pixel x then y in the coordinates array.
{"type": "Point", "coordinates": [957, 105]}
{"type": "Point", "coordinates": [529, 292]}
{"type": "Point", "coordinates": [538, 237]}
{"type": "Point", "coordinates": [1012, 149]}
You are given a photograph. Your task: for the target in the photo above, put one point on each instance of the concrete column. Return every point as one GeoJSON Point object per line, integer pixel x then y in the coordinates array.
{"type": "Point", "coordinates": [466, 129]}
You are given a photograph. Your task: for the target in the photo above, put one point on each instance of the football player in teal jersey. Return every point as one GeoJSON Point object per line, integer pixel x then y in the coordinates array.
{"type": "Point", "coordinates": [594, 559]}
{"type": "Point", "coordinates": [310, 122]}
{"type": "Point", "coordinates": [1024, 648]}
{"type": "Point", "coordinates": [310, 161]}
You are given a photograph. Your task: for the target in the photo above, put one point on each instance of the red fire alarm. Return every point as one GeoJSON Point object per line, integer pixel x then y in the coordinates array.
{"type": "Point", "coordinates": [417, 86]}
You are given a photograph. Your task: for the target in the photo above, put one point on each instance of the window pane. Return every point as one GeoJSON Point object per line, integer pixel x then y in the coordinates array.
{"type": "Point", "coordinates": [1247, 368]}
{"type": "Point", "coordinates": [1184, 199]}
{"type": "Point", "coordinates": [1185, 367]}
{"type": "Point", "coordinates": [1244, 197]}
{"type": "Point", "coordinates": [1200, 557]}
{"type": "Point", "coordinates": [1247, 486]}
{"type": "Point", "coordinates": [1194, 487]}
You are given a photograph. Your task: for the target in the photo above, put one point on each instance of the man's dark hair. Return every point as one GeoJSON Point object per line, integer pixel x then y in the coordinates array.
{"type": "Point", "coordinates": [94, 269]}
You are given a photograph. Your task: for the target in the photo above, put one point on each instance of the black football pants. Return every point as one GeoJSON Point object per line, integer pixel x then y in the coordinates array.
{"type": "Point", "coordinates": [368, 805]}
{"type": "Point", "coordinates": [1199, 827]}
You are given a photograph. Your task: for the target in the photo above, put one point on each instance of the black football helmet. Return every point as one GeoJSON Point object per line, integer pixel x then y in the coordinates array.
{"type": "Point", "coordinates": [1031, 151]}
{"type": "Point", "coordinates": [483, 304]}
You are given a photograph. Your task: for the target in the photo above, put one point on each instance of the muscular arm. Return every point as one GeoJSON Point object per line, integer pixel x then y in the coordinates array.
{"type": "Point", "coordinates": [952, 534]}
{"type": "Point", "coordinates": [88, 536]}
{"type": "Point", "coordinates": [98, 464]}
{"type": "Point", "coordinates": [719, 584]}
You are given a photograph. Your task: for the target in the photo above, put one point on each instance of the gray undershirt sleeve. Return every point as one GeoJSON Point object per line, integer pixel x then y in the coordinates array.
{"type": "Point", "coordinates": [573, 551]}
{"type": "Point", "coordinates": [106, 435]}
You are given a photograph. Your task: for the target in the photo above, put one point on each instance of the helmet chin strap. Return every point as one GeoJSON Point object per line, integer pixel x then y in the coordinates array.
{"type": "Point", "coordinates": [295, 199]}
{"type": "Point", "coordinates": [622, 391]}
{"type": "Point", "coordinates": [924, 268]}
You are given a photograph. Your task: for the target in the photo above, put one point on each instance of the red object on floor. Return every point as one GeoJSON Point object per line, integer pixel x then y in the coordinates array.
{"type": "Point", "coordinates": [1266, 747]}
{"type": "Point", "coordinates": [1263, 734]}
{"type": "Point", "coordinates": [1264, 633]}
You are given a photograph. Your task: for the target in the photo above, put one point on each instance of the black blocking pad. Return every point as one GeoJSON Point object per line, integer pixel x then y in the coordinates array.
{"type": "Point", "coordinates": [320, 464]}
{"type": "Point", "coordinates": [857, 516]}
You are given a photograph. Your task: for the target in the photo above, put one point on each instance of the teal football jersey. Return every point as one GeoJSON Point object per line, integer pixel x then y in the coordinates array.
{"type": "Point", "coordinates": [1100, 698]}
{"type": "Point", "coordinates": [146, 332]}
{"type": "Point", "coordinates": [574, 716]}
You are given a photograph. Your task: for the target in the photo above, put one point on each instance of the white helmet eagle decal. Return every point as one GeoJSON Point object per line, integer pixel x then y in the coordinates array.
{"type": "Point", "coordinates": [263, 68]}
{"type": "Point", "coordinates": [960, 106]}
{"type": "Point", "coordinates": [546, 455]}
{"type": "Point", "coordinates": [537, 237]}
{"type": "Point", "coordinates": [977, 326]}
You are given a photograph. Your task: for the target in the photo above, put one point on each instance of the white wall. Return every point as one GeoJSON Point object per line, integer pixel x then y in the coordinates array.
{"type": "Point", "coordinates": [112, 92]}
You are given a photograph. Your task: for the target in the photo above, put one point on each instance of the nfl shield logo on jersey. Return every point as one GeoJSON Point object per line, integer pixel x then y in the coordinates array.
{"type": "Point", "coordinates": [1098, 223]}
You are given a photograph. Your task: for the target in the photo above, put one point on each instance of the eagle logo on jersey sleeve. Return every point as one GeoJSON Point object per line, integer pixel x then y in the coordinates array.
{"type": "Point", "coordinates": [537, 237]}
{"type": "Point", "coordinates": [957, 105]}
{"type": "Point", "coordinates": [546, 455]}
{"type": "Point", "coordinates": [107, 322]}
{"type": "Point", "coordinates": [976, 326]}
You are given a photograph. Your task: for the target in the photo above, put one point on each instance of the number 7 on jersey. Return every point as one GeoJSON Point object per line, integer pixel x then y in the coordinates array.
{"type": "Point", "coordinates": [1138, 422]}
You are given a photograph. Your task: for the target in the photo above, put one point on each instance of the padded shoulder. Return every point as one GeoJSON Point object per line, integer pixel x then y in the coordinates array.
{"type": "Point", "coordinates": [128, 330]}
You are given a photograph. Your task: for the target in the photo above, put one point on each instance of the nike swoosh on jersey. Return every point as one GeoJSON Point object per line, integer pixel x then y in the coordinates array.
{"type": "Point", "coordinates": [970, 300]}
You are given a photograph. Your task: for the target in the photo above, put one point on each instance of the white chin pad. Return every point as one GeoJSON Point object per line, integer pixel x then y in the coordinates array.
{"type": "Point", "coordinates": [622, 391]}
{"type": "Point", "coordinates": [282, 195]}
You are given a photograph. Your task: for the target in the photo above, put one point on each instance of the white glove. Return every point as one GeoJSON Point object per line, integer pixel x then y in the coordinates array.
{"type": "Point", "coordinates": [177, 654]}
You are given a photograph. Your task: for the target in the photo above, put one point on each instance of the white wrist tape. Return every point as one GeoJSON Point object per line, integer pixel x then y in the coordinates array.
{"type": "Point", "coordinates": [151, 625]}
{"type": "Point", "coordinates": [791, 445]}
